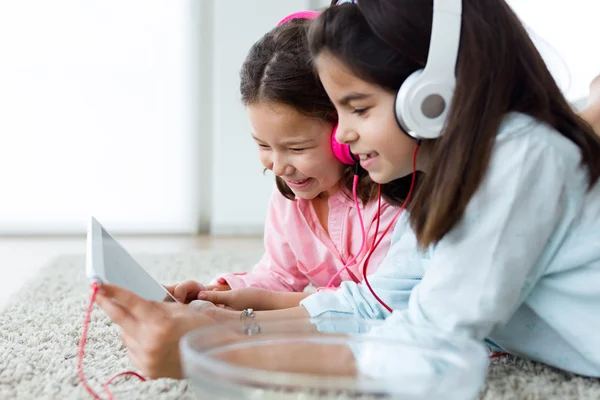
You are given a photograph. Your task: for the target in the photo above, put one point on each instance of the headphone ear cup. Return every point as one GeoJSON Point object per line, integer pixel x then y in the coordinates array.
{"type": "Point", "coordinates": [341, 151]}
{"type": "Point", "coordinates": [402, 104]}
{"type": "Point", "coordinates": [422, 104]}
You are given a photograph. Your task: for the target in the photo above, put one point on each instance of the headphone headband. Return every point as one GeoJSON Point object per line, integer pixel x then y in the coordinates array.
{"type": "Point", "coordinates": [445, 39]}
{"type": "Point", "coordinates": [423, 101]}
{"type": "Point", "coordinates": [340, 150]}
{"type": "Point", "coordinates": [301, 15]}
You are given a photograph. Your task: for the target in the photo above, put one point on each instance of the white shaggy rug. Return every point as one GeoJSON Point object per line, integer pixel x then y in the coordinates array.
{"type": "Point", "coordinates": [41, 326]}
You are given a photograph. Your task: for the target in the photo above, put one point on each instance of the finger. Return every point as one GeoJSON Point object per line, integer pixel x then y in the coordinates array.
{"type": "Point", "coordinates": [216, 296]}
{"type": "Point", "coordinates": [169, 298]}
{"type": "Point", "coordinates": [181, 291]}
{"type": "Point", "coordinates": [117, 313]}
{"type": "Point", "coordinates": [187, 291]}
{"type": "Point", "coordinates": [138, 307]}
{"type": "Point", "coordinates": [170, 289]}
{"type": "Point", "coordinates": [218, 287]}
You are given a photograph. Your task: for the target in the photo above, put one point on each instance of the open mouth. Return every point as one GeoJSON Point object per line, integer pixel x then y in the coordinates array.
{"type": "Point", "coordinates": [300, 184]}
{"type": "Point", "coordinates": [367, 156]}
{"type": "Point", "coordinates": [368, 159]}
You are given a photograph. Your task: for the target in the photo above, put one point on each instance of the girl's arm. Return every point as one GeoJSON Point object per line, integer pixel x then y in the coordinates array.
{"type": "Point", "coordinates": [255, 298]}
{"type": "Point", "coordinates": [152, 330]}
{"type": "Point", "coordinates": [299, 358]}
{"type": "Point", "coordinates": [484, 268]}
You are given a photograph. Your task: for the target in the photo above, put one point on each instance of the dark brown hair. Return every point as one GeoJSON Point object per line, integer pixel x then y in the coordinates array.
{"type": "Point", "coordinates": [278, 69]}
{"type": "Point", "coordinates": [499, 70]}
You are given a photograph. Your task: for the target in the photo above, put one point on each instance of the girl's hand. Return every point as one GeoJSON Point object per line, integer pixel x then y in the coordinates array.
{"type": "Point", "coordinates": [188, 291]}
{"type": "Point", "coordinates": [151, 330]}
{"type": "Point", "coordinates": [255, 298]}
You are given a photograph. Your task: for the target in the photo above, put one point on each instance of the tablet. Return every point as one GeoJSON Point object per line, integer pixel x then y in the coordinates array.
{"type": "Point", "coordinates": [108, 262]}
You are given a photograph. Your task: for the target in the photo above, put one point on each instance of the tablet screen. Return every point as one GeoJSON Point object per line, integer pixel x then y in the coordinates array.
{"type": "Point", "coordinates": [122, 270]}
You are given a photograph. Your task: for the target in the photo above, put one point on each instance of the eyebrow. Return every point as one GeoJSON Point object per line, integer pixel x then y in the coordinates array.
{"type": "Point", "coordinates": [353, 96]}
{"type": "Point", "coordinates": [287, 142]}
{"type": "Point", "coordinates": [295, 142]}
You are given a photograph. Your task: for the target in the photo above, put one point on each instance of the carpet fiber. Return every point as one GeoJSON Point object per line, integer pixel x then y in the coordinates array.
{"type": "Point", "coordinates": [41, 326]}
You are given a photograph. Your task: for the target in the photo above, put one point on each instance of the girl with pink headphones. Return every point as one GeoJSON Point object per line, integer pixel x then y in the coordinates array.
{"type": "Point", "coordinates": [314, 228]}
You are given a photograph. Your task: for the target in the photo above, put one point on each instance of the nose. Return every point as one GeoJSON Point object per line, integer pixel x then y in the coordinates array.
{"type": "Point", "coordinates": [344, 133]}
{"type": "Point", "coordinates": [279, 165]}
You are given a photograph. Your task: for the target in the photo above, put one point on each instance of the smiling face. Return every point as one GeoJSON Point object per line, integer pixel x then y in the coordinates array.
{"type": "Point", "coordinates": [367, 121]}
{"type": "Point", "coordinates": [296, 148]}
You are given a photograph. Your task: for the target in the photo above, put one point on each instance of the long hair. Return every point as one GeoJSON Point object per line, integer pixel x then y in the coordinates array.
{"type": "Point", "coordinates": [499, 70]}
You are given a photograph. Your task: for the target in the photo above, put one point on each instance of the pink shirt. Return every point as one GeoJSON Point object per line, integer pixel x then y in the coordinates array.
{"type": "Point", "coordinates": [299, 252]}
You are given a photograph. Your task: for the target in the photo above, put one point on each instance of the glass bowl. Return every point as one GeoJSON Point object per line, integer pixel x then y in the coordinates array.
{"type": "Point", "coordinates": [324, 358]}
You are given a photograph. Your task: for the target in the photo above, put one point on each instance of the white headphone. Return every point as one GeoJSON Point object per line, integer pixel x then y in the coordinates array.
{"type": "Point", "coordinates": [424, 98]}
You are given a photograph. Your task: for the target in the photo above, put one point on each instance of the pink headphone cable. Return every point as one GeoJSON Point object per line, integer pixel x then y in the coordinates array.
{"type": "Point", "coordinates": [82, 348]}
{"type": "Point", "coordinates": [362, 230]}
{"type": "Point", "coordinates": [412, 185]}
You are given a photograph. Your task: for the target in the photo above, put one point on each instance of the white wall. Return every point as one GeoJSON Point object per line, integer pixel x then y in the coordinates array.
{"type": "Point", "coordinates": [130, 109]}
{"type": "Point", "coordinates": [240, 190]}
{"type": "Point", "coordinates": [114, 108]}
{"type": "Point", "coordinates": [97, 115]}
{"type": "Point", "coordinates": [567, 34]}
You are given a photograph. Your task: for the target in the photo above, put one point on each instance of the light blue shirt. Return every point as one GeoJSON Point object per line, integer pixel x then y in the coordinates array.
{"type": "Point", "coordinates": [522, 267]}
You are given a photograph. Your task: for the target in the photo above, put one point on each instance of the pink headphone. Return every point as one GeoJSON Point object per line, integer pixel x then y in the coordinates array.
{"type": "Point", "coordinates": [341, 151]}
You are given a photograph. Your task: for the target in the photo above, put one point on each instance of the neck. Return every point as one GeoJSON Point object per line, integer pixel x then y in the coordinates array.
{"type": "Point", "coordinates": [423, 157]}
{"type": "Point", "coordinates": [329, 192]}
